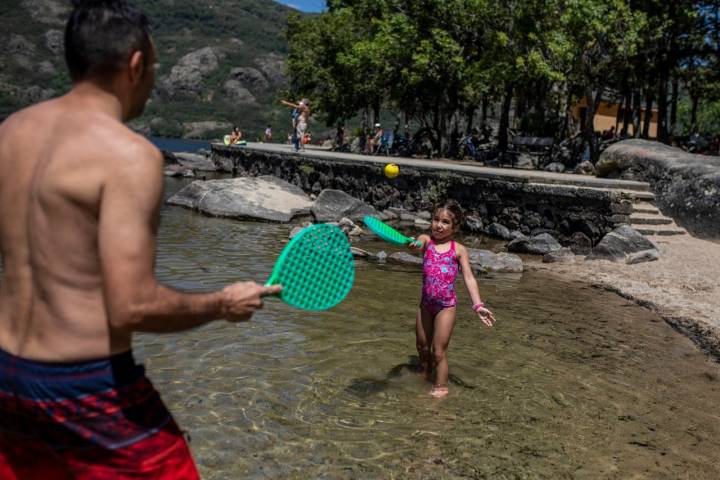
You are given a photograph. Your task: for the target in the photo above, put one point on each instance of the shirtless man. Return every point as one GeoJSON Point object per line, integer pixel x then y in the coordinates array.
{"type": "Point", "coordinates": [77, 239]}
{"type": "Point", "coordinates": [300, 125]}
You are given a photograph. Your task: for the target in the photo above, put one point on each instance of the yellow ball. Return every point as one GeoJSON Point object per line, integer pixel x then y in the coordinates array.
{"type": "Point", "coordinates": [392, 170]}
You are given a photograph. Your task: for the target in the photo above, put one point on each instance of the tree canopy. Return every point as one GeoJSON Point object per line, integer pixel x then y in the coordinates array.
{"type": "Point", "coordinates": [440, 62]}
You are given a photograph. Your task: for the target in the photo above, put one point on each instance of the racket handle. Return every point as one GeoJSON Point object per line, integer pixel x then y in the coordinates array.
{"type": "Point", "coordinates": [270, 283]}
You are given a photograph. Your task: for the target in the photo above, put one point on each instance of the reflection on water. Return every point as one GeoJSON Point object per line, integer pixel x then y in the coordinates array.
{"type": "Point", "coordinates": [573, 382]}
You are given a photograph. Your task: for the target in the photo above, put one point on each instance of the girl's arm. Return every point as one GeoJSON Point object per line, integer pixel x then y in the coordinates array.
{"type": "Point", "coordinates": [420, 244]}
{"type": "Point", "coordinates": [289, 104]}
{"type": "Point", "coordinates": [472, 287]}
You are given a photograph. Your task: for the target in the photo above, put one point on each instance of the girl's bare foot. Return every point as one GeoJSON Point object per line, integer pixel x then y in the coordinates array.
{"type": "Point", "coordinates": [439, 391]}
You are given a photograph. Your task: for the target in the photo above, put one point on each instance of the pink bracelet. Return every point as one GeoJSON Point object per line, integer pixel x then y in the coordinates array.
{"type": "Point", "coordinates": [478, 306]}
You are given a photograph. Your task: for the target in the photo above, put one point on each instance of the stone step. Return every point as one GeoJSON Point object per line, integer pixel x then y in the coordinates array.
{"type": "Point", "coordinates": [643, 197]}
{"type": "Point", "coordinates": [646, 219]}
{"type": "Point", "coordinates": [649, 209]}
{"type": "Point", "coordinates": [661, 231]}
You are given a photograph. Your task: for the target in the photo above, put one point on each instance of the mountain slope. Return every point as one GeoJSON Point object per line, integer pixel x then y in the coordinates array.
{"type": "Point", "coordinates": [218, 64]}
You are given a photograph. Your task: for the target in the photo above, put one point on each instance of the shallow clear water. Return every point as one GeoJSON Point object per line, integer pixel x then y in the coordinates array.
{"type": "Point", "coordinates": [573, 382]}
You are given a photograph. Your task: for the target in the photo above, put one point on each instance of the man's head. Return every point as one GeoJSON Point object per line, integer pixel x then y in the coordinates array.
{"type": "Point", "coordinates": [109, 41]}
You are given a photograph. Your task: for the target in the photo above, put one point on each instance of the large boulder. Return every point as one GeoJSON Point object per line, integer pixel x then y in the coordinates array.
{"type": "Point", "coordinates": [186, 78]}
{"type": "Point", "coordinates": [487, 261]}
{"type": "Point", "coordinates": [403, 258]}
{"type": "Point", "coordinates": [50, 12]}
{"type": "Point", "coordinates": [263, 198]}
{"type": "Point", "coordinates": [537, 245]}
{"type": "Point", "coordinates": [195, 162]}
{"type": "Point", "coordinates": [616, 245]}
{"type": "Point", "coordinates": [234, 90]}
{"type": "Point", "coordinates": [251, 78]}
{"type": "Point", "coordinates": [333, 205]}
{"type": "Point", "coordinates": [273, 66]}
{"type": "Point", "coordinates": [686, 186]}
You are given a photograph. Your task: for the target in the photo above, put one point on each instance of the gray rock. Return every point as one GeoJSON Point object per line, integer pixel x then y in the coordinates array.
{"type": "Point", "coordinates": [55, 41]}
{"type": "Point", "coordinates": [473, 224]}
{"type": "Point", "coordinates": [537, 245]}
{"type": "Point", "coordinates": [388, 215]}
{"type": "Point", "coordinates": [251, 78]}
{"type": "Point", "coordinates": [46, 68]}
{"type": "Point", "coordinates": [175, 170]}
{"type": "Point", "coordinates": [195, 162]}
{"type": "Point", "coordinates": [359, 253]}
{"type": "Point", "coordinates": [405, 259]}
{"type": "Point", "coordinates": [18, 45]}
{"type": "Point", "coordinates": [265, 198]}
{"type": "Point", "coordinates": [422, 223]}
{"type": "Point", "coordinates": [559, 256]}
{"type": "Point", "coordinates": [556, 167]}
{"type": "Point", "coordinates": [235, 91]}
{"type": "Point", "coordinates": [585, 168]}
{"type": "Point", "coordinates": [50, 12]}
{"type": "Point", "coordinates": [487, 261]}
{"type": "Point", "coordinates": [380, 257]}
{"type": "Point", "coordinates": [332, 205]}
{"type": "Point", "coordinates": [617, 244]}
{"type": "Point", "coordinates": [273, 66]}
{"type": "Point", "coordinates": [580, 243]}
{"type": "Point", "coordinates": [186, 78]}
{"type": "Point", "coordinates": [35, 93]}
{"type": "Point", "coordinates": [424, 215]}
{"type": "Point", "coordinates": [643, 256]}
{"type": "Point", "coordinates": [499, 231]}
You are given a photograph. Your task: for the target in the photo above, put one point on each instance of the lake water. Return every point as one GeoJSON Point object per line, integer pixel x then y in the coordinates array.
{"type": "Point", "coordinates": [180, 144]}
{"type": "Point", "coordinates": [572, 382]}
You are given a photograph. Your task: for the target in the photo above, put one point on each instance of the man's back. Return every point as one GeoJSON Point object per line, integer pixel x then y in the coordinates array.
{"type": "Point", "coordinates": [51, 296]}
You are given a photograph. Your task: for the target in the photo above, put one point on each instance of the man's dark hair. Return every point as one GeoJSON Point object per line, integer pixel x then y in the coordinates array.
{"type": "Point", "coordinates": [101, 35]}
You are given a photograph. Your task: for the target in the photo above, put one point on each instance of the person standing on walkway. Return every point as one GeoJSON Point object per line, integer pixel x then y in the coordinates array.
{"type": "Point", "coordinates": [300, 123]}
{"type": "Point", "coordinates": [78, 253]}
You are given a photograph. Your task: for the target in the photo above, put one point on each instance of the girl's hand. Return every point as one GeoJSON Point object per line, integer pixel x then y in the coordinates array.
{"type": "Point", "coordinates": [486, 316]}
{"type": "Point", "coordinates": [415, 245]}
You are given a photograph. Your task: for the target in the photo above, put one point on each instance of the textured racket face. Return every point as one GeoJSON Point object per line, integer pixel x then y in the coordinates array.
{"type": "Point", "coordinates": [316, 269]}
{"type": "Point", "coordinates": [386, 232]}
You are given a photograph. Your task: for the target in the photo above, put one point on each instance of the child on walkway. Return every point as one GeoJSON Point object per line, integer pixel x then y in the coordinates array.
{"type": "Point", "coordinates": [442, 257]}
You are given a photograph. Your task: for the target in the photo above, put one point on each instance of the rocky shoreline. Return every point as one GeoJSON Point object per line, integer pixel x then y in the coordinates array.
{"type": "Point", "coordinates": [682, 287]}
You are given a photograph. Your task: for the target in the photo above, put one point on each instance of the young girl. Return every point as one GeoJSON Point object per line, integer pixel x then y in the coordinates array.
{"type": "Point", "coordinates": [443, 257]}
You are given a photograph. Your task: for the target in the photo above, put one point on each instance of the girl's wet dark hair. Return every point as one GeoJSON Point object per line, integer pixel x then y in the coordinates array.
{"type": "Point", "coordinates": [101, 35]}
{"type": "Point", "coordinates": [454, 208]}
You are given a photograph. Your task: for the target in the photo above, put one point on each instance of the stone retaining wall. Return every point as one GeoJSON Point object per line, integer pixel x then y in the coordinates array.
{"type": "Point", "coordinates": [519, 205]}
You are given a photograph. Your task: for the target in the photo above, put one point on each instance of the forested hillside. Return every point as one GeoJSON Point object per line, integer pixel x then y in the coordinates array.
{"type": "Point", "coordinates": [220, 63]}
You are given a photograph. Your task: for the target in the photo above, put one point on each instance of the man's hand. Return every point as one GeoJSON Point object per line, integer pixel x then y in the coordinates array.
{"type": "Point", "coordinates": [242, 299]}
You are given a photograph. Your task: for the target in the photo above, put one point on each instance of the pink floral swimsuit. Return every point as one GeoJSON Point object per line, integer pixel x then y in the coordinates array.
{"type": "Point", "coordinates": [439, 273]}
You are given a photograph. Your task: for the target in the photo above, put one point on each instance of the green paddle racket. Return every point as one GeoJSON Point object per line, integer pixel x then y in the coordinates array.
{"type": "Point", "coordinates": [386, 232]}
{"type": "Point", "coordinates": [316, 269]}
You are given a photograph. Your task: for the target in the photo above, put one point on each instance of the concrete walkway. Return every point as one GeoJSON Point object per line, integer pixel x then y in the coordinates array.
{"type": "Point", "coordinates": [507, 174]}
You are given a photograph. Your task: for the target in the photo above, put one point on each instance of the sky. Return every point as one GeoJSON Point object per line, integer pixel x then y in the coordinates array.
{"type": "Point", "coordinates": [305, 5]}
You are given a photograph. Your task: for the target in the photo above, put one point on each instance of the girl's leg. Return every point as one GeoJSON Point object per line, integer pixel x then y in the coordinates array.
{"type": "Point", "coordinates": [444, 323]}
{"type": "Point", "coordinates": [423, 337]}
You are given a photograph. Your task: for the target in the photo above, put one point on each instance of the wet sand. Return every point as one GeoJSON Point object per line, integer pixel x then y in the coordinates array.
{"type": "Point", "coordinates": [683, 287]}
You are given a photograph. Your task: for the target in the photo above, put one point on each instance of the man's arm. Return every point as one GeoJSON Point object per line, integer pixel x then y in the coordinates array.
{"type": "Point", "coordinates": [134, 300]}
